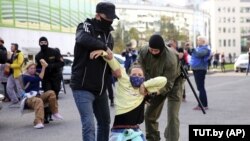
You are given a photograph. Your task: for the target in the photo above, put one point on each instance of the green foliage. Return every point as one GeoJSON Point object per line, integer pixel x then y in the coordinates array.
{"type": "Point", "coordinates": [229, 66]}
{"type": "Point", "coordinates": [167, 29]}
{"type": "Point", "coordinates": [134, 33]}
{"type": "Point", "coordinates": [118, 39]}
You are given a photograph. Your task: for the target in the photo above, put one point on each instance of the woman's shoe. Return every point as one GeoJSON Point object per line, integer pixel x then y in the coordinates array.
{"type": "Point", "coordinates": [57, 116]}
{"type": "Point", "coordinates": [39, 126]}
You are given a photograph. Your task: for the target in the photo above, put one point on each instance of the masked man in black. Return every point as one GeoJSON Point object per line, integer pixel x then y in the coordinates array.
{"type": "Point", "coordinates": [89, 78]}
{"type": "Point", "coordinates": [52, 77]}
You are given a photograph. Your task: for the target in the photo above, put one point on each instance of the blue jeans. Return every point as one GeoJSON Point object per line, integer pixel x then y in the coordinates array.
{"type": "Point", "coordinates": [199, 76]}
{"type": "Point", "coordinates": [89, 106]}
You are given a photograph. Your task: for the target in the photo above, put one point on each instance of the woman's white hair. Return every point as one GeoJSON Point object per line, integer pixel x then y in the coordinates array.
{"type": "Point", "coordinates": [204, 39]}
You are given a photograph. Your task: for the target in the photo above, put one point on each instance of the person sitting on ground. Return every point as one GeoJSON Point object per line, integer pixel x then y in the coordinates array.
{"type": "Point", "coordinates": [33, 99]}
{"type": "Point", "coordinates": [130, 98]}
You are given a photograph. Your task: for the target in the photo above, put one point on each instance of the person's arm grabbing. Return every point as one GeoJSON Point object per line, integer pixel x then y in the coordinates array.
{"type": "Point", "coordinates": [85, 38]}
{"type": "Point", "coordinates": [44, 65]}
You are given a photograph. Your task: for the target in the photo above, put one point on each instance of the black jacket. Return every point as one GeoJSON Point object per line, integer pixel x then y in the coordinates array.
{"type": "Point", "coordinates": [3, 55]}
{"type": "Point", "coordinates": [55, 63]}
{"type": "Point", "coordinates": [90, 75]}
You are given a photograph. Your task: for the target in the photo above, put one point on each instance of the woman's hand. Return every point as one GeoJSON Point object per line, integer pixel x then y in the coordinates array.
{"type": "Point", "coordinates": [43, 63]}
{"type": "Point", "coordinates": [143, 90]}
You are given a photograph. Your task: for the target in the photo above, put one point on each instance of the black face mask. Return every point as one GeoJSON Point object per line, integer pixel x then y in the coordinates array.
{"type": "Point", "coordinates": [156, 55]}
{"type": "Point", "coordinates": [44, 47]}
{"type": "Point", "coordinates": [104, 24]}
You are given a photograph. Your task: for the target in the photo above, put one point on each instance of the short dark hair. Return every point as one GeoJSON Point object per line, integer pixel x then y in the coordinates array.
{"type": "Point", "coordinates": [15, 45]}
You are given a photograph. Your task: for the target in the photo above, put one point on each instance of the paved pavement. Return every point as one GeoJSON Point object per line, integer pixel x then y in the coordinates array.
{"type": "Point", "coordinates": [228, 97]}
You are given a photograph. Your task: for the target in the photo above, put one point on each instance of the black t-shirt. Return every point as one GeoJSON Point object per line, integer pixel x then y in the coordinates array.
{"type": "Point", "coordinates": [134, 117]}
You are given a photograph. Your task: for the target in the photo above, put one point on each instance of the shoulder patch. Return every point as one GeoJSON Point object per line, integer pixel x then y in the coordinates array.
{"type": "Point", "coordinates": [86, 27]}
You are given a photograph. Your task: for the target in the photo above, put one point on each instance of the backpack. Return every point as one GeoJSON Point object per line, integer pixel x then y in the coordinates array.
{"type": "Point", "coordinates": [3, 56]}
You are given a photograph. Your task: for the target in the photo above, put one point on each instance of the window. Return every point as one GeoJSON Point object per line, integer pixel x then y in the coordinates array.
{"type": "Point", "coordinates": [219, 20]}
{"type": "Point", "coordinates": [233, 20]}
{"type": "Point", "coordinates": [248, 20]}
{"type": "Point", "coordinates": [228, 9]}
{"type": "Point", "coordinates": [242, 30]}
{"type": "Point", "coordinates": [224, 30]}
{"type": "Point", "coordinates": [234, 30]}
{"type": "Point", "coordinates": [247, 9]}
{"type": "Point", "coordinates": [234, 44]}
{"type": "Point", "coordinates": [225, 43]}
{"type": "Point", "coordinates": [229, 20]}
{"type": "Point", "coordinates": [241, 10]}
{"type": "Point", "coordinates": [229, 30]}
{"type": "Point", "coordinates": [219, 30]}
{"type": "Point", "coordinates": [224, 9]}
{"type": "Point", "coordinates": [233, 9]}
{"type": "Point", "coordinates": [229, 42]}
{"type": "Point", "coordinates": [219, 42]}
{"type": "Point", "coordinates": [241, 20]}
{"type": "Point", "coordinates": [225, 20]}
{"type": "Point", "coordinates": [219, 9]}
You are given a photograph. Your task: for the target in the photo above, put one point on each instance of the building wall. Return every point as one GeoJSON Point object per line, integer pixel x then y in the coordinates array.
{"type": "Point", "coordinates": [245, 24]}
{"type": "Point", "coordinates": [226, 32]}
{"type": "Point", "coordinates": [28, 40]}
{"type": "Point", "coordinates": [143, 17]}
{"type": "Point", "coordinates": [25, 21]}
{"type": "Point", "coordinates": [230, 28]}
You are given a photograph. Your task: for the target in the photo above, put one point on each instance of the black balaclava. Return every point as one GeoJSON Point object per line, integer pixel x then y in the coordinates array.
{"type": "Point", "coordinates": [104, 24]}
{"type": "Point", "coordinates": [43, 47]}
{"type": "Point", "coordinates": [156, 42]}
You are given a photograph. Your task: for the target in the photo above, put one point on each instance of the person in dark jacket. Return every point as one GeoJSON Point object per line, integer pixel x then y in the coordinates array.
{"type": "Point", "coordinates": [89, 77]}
{"type": "Point", "coordinates": [130, 55]}
{"type": "Point", "coordinates": [3, 52]}
{"type": "Point", "coordinates": [3, 77]}
{"type": "Point", "coordinates": [52, 77]}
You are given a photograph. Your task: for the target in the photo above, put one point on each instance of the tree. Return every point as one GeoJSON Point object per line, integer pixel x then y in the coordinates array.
{"type": "Point", "coordinates": [134, 33]}
{"type": "Point", "coordinates": [168, 29]}
{"type": "Point", "coordinates": [118, 35]}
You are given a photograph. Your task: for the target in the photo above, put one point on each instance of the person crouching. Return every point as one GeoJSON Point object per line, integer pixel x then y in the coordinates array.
{"type": "Point", "coordinates": [32, 99]}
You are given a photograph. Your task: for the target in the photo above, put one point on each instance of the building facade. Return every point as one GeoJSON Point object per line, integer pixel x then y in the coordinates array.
{"type": "Point", "coordinates": [230, 28]}
{"type": "Point", "coordinates": [25, 21]}
{"type": "Point", "coordinates": [146, 15]}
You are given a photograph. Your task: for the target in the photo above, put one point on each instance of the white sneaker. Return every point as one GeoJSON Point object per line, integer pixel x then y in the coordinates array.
{"type": "Point", "coordinates": [57, 116]}
{"type": "Point", "coordinates": [39, 126]}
